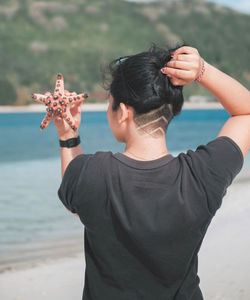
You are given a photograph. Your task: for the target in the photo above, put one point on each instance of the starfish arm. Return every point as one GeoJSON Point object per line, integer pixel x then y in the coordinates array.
{"type": "Point", "coordinates": [48, 100]}
{"type": "Point", "coordinates": [39, 98]}
{"type": "Point", "coordinates": [59, 88]}
{"type": "Point", "coordinates": [69, 119]}
{"type": "Point", "coordinates": [48, 97]}
{"type": "Point", "coordinates": [60, 104]}
{"type": "Point", "coordinates": [46, 120]}
{"type": "Point", "coordinates": [81, 97]}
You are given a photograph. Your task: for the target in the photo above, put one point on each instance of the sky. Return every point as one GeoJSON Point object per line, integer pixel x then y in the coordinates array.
{"type": "Point", "coordinates": [241, 5]}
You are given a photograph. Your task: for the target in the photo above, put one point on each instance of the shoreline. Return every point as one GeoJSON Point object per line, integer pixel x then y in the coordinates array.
{"type": "Point", "coordinates": [98, 107]}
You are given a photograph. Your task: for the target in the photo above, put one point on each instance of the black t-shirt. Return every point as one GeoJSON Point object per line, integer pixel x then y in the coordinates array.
{"type": "Point", "coordinates": [145, 220]}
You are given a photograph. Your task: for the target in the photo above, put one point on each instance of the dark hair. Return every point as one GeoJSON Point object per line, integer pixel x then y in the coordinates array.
{"type": "Point", "coordinates": [137, 81]}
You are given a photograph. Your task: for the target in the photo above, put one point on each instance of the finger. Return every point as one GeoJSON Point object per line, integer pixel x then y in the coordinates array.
{"type": "Point", "coordinates": [76, 108]}
{"type": "Point", "coordinates": [76, 102]}
{"type": "Point", "coordinates": [181, 74]}
{"type": "Point", "coordinates": [185, 57]}
{"type": "Point", "coordinates": [58, 120]}
{"type": "Point", "coordinates": [46, 121]}
{"type": "Point", "coordinates": [79, 106]}
{"type": "Point", "coordinates": [76, 111]}
{"type": "Point", "coordinates": [185, 49]}
{"type": "Point", "coordinates": [179, 64]}
{"type": "Point", "coordinates": [39, 98]}
{"type": "Point", "coordinates": [176, 81]}
{"type": "Point", "coordinates": [59, 84]}
{"type": "Point", "coordinates": [61, 124]}
{"type": "Point", "coordinates": [69, 119]}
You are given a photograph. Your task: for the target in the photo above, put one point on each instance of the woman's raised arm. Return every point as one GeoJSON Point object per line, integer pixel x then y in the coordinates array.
{"type": "Point", "coordinates": [185, 67]}
{"type": "Point", "coordinates": [64, 133]}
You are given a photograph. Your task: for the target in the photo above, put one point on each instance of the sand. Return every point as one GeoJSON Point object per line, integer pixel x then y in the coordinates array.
{"type": "Point", "coordinates": [52, 280]}
{"type": "Point", "coordinates": [224, 260]}
{"type": "Point", "coordinates": [100, 107]}
{"type": "Point", "coordinates": [41, 108]}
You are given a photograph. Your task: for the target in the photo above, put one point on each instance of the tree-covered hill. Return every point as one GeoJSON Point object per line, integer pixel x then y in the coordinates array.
{"type": "Point", "coordinates": [38, 39]}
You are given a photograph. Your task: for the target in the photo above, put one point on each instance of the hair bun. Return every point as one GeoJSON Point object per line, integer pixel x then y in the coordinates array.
{"type": "Point", "coordinates": [141, 84]}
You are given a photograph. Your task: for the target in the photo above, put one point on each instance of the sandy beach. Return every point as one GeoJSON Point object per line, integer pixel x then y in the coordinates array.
{"type": "Point", "coordinates": [224, 260]}
{"type": "Point", "coordinates": [100, 107]}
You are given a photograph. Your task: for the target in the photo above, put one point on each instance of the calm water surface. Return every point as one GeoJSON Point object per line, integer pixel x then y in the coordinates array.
{"type": "Point", "coordinates": [30, 211]}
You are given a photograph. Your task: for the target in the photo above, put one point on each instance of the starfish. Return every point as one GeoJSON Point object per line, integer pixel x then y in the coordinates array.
{"type": "Point", "coordinates": [59, 103]}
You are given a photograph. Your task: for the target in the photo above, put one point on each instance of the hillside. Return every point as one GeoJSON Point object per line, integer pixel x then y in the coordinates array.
{"type": "Point", "coordinates": [41, 38]}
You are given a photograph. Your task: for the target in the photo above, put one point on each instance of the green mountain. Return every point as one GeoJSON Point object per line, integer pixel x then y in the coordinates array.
{"type": "Point", "coordinates": [79, 37]}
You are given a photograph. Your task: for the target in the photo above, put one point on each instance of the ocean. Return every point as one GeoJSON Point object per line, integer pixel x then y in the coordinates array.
{"type": "Point", "coordinates": [31, 214]}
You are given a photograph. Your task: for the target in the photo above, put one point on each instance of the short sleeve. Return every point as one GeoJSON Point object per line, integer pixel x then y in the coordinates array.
{"type": "Point", "coordinates": [71, 178]}
{"type": "Point", "coordinates": [215, 165]}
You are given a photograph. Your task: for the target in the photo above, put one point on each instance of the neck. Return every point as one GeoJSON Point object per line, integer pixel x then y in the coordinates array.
{"type": "Point", "coordinates": [146, 147]}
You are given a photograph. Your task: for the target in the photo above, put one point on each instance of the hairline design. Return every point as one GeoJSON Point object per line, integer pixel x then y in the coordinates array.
{"type": "Point", "coordinates": [156, 120]}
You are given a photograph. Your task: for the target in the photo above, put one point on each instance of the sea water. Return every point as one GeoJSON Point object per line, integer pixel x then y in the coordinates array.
{"type": "Point", "coordinates": [30, 170]}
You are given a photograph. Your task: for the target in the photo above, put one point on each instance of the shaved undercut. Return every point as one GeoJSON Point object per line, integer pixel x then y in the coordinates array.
{"type": "Point", "coordinates": [154, 122]}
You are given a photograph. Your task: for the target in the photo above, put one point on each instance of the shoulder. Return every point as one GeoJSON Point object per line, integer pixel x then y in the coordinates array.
{"type": "Point", "coordinates": [87, 161]}
{"type": "Point", "coordinates": [223, 143]}
{"type": "Point", "coordinates": [212, 166]}
{"type": "Point", "coordinates": [218, 161]}
{"type": "Point", "coordinates": [221, 149]}
{"type": "Point", "coordinates": [98, 155]}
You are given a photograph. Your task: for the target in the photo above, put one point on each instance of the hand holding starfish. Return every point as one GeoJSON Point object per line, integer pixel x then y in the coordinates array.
{"type": "Point", "coordinates": [60, 104]}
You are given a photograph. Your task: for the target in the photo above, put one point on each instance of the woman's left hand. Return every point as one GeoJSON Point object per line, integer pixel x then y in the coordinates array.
{"type": "Point", "coordinates": [64, 130]}
{"type": "Point", "coordinates": [184, 67]}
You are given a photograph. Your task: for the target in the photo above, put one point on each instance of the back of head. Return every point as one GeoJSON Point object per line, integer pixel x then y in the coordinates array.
{"type": "Point", "coordinates": [137, 81]}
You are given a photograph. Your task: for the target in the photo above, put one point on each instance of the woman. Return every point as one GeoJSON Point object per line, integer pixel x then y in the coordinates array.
{"type": "Point", "coordinates": [145, 211]}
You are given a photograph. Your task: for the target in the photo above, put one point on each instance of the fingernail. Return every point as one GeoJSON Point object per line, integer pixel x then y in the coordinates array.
{"type": "Point", "coordinates": [163, 70]}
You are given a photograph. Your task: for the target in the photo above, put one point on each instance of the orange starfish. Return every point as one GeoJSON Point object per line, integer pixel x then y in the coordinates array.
{"type": "Point", "coordinates": [59, 103]}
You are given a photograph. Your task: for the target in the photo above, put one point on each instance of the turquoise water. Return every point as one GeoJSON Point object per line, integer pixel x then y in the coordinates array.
{"type": "Point", "coordinates": [30, 211]}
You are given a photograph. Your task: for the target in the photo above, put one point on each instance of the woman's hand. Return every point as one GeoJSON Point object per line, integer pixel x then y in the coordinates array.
{"type": "Point", "coordinates": [64, 130]}
{"type": "Point", "coordinates": [184, 67]}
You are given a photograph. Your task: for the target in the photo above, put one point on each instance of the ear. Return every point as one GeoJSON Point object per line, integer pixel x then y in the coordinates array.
{"type": "Point", "coordinates": [125, 112]}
